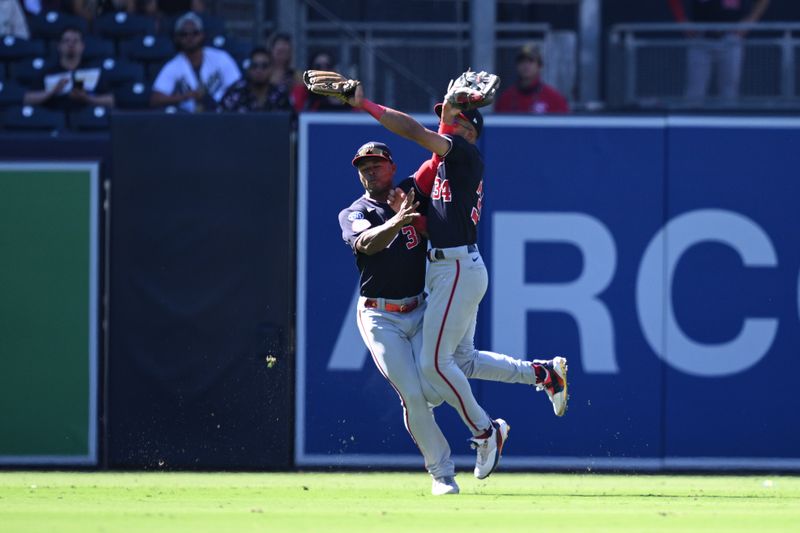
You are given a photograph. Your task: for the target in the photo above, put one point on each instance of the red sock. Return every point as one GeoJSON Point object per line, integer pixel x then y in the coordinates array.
{"type": "Point", "coordinates": [486, 434]}
{"type": "Point", "coordinates": [540, 371]}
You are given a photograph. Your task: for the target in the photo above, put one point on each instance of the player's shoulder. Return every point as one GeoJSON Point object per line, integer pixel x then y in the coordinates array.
{"type": "Point", "coordinates": [462, 146]}
{"type": "Point", "coordinates": [360, 204]}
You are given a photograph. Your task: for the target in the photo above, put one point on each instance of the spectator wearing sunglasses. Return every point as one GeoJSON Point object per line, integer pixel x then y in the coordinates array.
{"type": "Point", "coordinates": [195, 79]}
{"type": "Point", "coordinates": [255, 92]}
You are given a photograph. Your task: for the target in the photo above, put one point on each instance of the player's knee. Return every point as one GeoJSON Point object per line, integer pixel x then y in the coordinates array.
{"type": "Point", "coordinates": [429, 370]}
{"type": "Point", "coordinates": [465, 359]}
{"type": "Point", "coordinates": [416, 401]}
{"type": "Point", "coordinates": [432, 397]}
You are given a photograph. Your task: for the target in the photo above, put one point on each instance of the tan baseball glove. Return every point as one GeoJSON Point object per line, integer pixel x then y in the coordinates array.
{"type": "Point", "coordinates": [329, 83]}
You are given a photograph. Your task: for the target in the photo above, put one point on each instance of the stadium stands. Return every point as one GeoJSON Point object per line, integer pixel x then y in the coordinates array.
{"type": "Point", "coordinates": [89, 119]}
{"type": "Point", "coordinates": [32, 118]}
{"type": "Point", "coordinates": [11, 93]}
{"type": "Point", "coordinates": [129, 47]}
{"type": "Point", "coordinates": [49, 25]}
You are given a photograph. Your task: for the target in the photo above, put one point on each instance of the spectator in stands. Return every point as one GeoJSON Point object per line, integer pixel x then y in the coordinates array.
{"type": "Point", "coordinates": [282, 76]}
{"type": "Point", "coordinates": [719, 51]}
{"type": "Point", "coordinates": [71, 84]}
{"type": "Point", "coordinates": [530, 94]}
{"type": "Point", "coordinates": [308, 101]}
{"type": "Point", "coordinates": [196, 79]}
{"type": "Point", "coordinates": [255, 92]}
{"type": "Point", "coordinates": [12, 20]}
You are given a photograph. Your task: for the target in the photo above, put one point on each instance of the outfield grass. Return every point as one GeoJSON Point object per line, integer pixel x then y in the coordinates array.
{"type": "Point", "coordinates": [175, 502]}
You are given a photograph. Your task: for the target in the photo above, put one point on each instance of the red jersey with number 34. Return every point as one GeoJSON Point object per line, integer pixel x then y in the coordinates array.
{"type": "Point", "coordinates": [456, 197]}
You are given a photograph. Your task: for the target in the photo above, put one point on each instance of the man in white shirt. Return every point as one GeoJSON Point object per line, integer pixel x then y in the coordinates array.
{"type": "Point", "coordinates": [198, 76]}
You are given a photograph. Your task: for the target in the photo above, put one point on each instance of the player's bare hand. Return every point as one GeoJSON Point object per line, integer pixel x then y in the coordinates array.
{"type": "Point", "coordinates": [395, 198]}
{"type": "Point", "coordinates": [407, 211]}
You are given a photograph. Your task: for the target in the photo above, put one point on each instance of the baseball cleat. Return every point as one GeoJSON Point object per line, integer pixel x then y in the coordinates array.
{"type": "Point", "coordinates": [490, 448]}
{"type": "Point", "coordinates": [555, 384]}
{"type": "Point", "coordinates": [444, 485]}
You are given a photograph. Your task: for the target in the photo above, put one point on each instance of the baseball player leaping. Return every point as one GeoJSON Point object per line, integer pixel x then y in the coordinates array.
{"type": "Point", "coordinates": [456, 278]}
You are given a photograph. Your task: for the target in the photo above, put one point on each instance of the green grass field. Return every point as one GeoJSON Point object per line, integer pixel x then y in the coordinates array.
{"type": "Point", "coordinates": [175, 502]}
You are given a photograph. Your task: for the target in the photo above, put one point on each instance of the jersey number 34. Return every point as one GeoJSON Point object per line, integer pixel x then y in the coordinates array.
{"type": "Point", "coordinates": [441, 190]}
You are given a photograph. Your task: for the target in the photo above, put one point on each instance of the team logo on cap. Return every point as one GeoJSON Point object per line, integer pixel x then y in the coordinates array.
{"type": "Point", "coordinates": [355, 215]}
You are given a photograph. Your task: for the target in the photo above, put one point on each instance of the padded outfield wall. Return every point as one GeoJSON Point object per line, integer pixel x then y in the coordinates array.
{"type": "Point", "coordinates": [658, 254]}
{"type": "Point", "coordinates": [49, 312]}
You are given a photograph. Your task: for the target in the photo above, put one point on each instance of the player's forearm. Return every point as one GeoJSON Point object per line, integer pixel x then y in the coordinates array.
{"type": "Point", "coordinates": [400, 123]}
{"type": "Point", "coordinates": [378, 238]}
{"type": "Point", "coordinates": [395, 121]}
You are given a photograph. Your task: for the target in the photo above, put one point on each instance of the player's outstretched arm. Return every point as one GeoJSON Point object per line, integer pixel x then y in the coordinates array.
{"type": "Point", "coordinates": [376, 239]}
{"type": "Point", "coordinates": [401, 124]}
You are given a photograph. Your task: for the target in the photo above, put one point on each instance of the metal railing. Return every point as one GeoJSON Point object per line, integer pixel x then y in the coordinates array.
{"type": "Point", "coordinates": [647, 64]}
{"type": "Point", "coordinates": [409, 65]}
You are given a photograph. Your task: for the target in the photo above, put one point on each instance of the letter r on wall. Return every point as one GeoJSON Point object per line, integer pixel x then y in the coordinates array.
{"type": "Point", "coordinates": [513, 298]}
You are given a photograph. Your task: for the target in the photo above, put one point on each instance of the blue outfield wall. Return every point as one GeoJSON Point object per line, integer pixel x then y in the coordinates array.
{"type": "Point", "coordinates": [660, 255]}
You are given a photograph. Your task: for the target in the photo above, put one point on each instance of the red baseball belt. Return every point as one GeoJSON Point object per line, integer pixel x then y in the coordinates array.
{"type": "Point", "coordinates": [373, 303]}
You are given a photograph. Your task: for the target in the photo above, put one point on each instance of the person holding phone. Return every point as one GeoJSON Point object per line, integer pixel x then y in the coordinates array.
{"type": "Point", "coordinates": [71, 83]}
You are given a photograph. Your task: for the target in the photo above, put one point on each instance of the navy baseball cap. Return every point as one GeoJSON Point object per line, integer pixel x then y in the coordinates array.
{"type": "Point", "coordinates": [473, 116]}
{"type": "Point", "coordinates": [373, 149]}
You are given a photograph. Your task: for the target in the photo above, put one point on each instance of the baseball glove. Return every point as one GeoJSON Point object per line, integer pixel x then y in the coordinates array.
{"type": "Point", "coordinates": [330, 84]}
{"type": "Point", "coordinates": [472, 89]}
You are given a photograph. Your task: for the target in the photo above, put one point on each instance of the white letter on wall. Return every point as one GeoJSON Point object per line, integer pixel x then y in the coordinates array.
{"type": "Point", "coordinates": [654, 293]}
{"type": "Point", "coordinates": [512, 298]}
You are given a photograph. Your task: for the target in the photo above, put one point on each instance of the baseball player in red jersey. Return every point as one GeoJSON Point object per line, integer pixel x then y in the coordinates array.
{"type": "Point", "coordinates": [457, 279]}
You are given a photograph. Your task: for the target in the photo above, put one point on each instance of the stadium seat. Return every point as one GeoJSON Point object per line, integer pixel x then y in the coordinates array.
{"type": "Point", "coordinates": [166, 26]}
{"type": "Point", "coordinates": [237, 48]}
{"type": "Point", "coordinates": [89, 119]}
{"type": "Point", "coordinates": [119, 71]}
{"type": "Point", "coordinates": [49, 25]}
{"type": "Point", "coordinates": [98, 48]}
{"type": "Point", "coordinates": [151, 71]}
{"type": "Point", "coordinates": [122, 26]}
{"type": "Point", "coordinates": [148, 49]}
{"type": "Point", "coordinates": [213, 26]}
{"type": "Point", "coordinates": [11, 94]}
{"type": "Point", "coordinates": [28, 72]}
{"type": "Point", "coordinates": [32, 118]}
{"type": "Point", "coordinates": [13, 49]}
{"type": "Point", "coordinates": [132, 96]}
